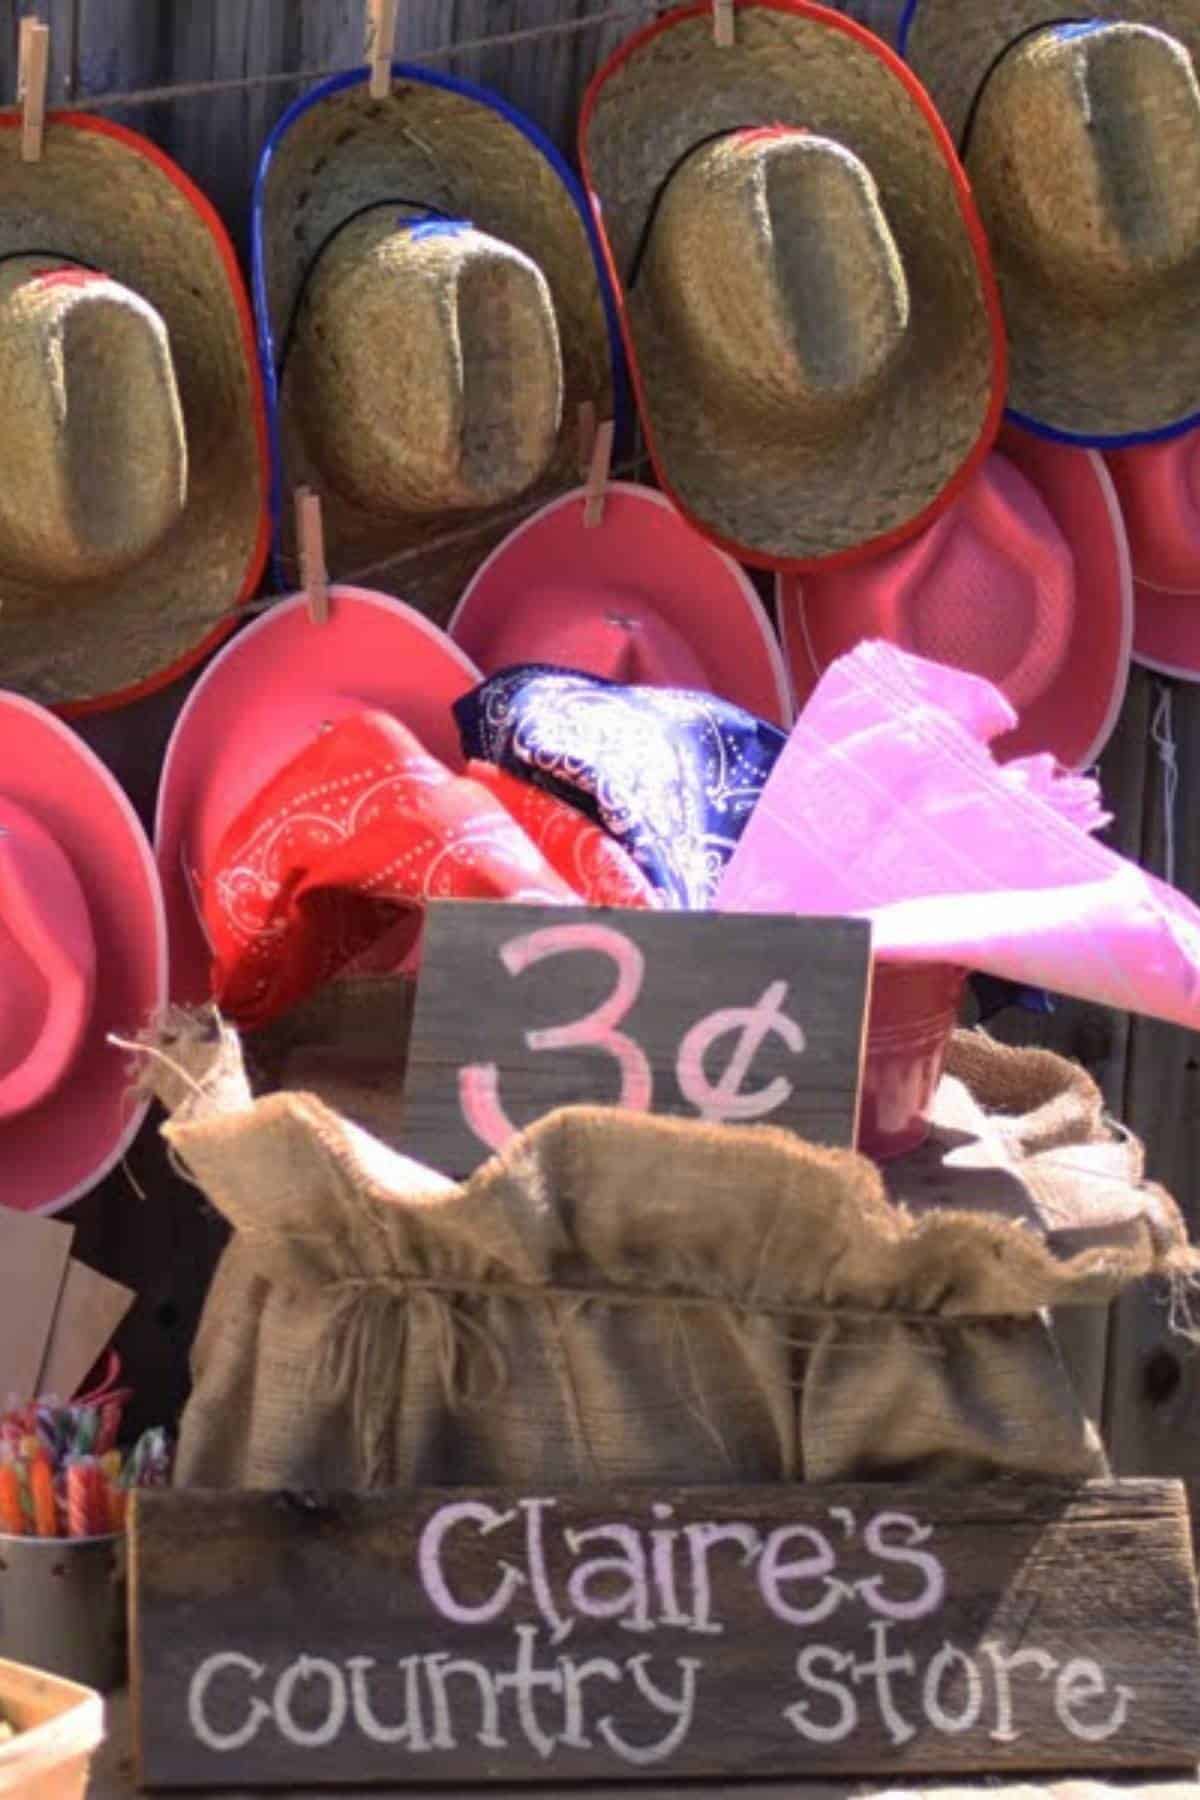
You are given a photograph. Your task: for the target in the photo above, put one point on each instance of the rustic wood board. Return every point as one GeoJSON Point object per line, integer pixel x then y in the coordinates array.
{"type": "Point", "coordinates": [468, 1636]}
{"type": "Point", "coordinates": [112, 1778]}
{"type": "Point", "coordinates": [166, 1249]}
{"type": "Point", "coordinates": [1099, 1037]}
{"type": "Point", "coordinates": [521, 1009]}
{"type": "Point", "coordinates": [1154, 1372]}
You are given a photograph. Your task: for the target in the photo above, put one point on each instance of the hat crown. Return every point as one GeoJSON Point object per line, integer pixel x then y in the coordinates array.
{"type": "Point", "coordinates": [97, 474]}
{"type": "Point", "coordinates": [616, 634]}
{"type": "Point", "coordinates": [773, 252]}
{"type": "Point", "coordinates": [989, 588]}
{"type": "Point", "coordinates": [47, 962]}
{"type": "Point", "coordinates": [427, 366]}
{"type": "Point", "coordinates": [1085, 154]}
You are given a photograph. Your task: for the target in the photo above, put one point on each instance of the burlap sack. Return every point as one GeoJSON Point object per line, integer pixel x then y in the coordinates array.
{"type": "Point", "coordinates": [619, 1298]}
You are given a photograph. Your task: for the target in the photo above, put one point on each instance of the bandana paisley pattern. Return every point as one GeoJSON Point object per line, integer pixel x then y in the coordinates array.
{"type": "Point", "coordinates": [672, 775]}
{"type": "Point", "coordinates": [336, 855]}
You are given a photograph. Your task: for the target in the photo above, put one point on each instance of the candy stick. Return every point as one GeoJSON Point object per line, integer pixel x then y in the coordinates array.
{"type": "Point", "coordinates": [86, 1430]}
{"type": "Point", "coordinates": [110, 1425]}
{"type": "Point", "coordinates": [110, 1462]}
{"type": "Point", "coordinates": [41, 1490]}
{"type": "Point", "coordinates": [77, 1499]}
{"type": "Point", "coordinates": [12, 1518]}
{"type": "Point", "coordinates": [117, 1498]}
{"type": "Point", "coordinates": [98, 1508]}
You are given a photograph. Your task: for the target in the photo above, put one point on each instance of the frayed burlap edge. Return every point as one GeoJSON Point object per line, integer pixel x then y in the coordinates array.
{"type": "Point", "coordinates": [982, 1266]}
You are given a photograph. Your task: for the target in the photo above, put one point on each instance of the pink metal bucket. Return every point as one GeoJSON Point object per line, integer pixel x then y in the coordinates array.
{"type": "Point", "coordinates": [914, 1009]}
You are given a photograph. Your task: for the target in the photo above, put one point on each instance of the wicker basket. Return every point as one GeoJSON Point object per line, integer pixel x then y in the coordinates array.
{"type": "Point", "coordinates": [58, 1726]}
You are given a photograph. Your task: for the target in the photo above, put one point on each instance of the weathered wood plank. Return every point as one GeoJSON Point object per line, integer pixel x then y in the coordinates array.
{"type": "Point", "coordinates": [112, 1778]}
{"type": "Point", "coordinates": [1154, 1381]}
{"type": "Point", "coordinates": [119, 46]}
{"type": "Point", "coordinates": [451, 1636]}
{"type": "Point", "coordinates": [166, 1248]}
{"type": "Point", "coordinates": [1097, 1036]}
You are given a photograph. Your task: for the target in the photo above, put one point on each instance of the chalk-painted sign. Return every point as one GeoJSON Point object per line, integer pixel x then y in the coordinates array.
{"type": "Point", "coordinates": [523, 1008]}
{"type": "Point", "coordinates": [482, 1636]}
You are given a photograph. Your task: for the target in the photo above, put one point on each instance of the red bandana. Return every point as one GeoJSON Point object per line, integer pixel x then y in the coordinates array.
{"type": "Point", "coordinates": [350, 838]}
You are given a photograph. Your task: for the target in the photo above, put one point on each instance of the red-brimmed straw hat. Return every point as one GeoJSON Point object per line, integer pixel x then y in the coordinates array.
{"type": "Point", "coordinates": [805, 288]}
{"type": "Point", "coordinates": [133, 454]}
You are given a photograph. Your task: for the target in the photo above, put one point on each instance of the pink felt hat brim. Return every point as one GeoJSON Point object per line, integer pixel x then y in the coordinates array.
{"type": "Point", "coordinates": [644, 548]}
{"type": "Point", "coordinates": [1074, 716]}
{"type": "Point", "coordinates": [57, 1151]}
{"type": "Point", "coordinates": [1158, 486]}
{"type": "Point", "coordinates": [1166, 631]}
{"type": "Point", "coordinates": [257, 704]}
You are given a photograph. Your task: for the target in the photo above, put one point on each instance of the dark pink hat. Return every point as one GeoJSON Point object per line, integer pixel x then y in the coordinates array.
{"type": "Point", "coordinates": [1024, 580]}
{"type": "Point", "coordinates": [640, 598]}
{"type": "Point", "coordinates": [83, 955]}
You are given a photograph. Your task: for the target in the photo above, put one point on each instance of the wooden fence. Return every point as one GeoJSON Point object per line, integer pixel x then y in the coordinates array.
{"type": "Point", "coordinates": [207, 79]}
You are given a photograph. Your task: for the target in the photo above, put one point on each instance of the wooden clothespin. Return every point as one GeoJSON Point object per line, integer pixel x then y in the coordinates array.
{"type": "Point", "coordinates": [310, 539]}
{"type": "Point", "coordinates": [381, 45]}
{"type": "Point", "coordinates": [599, 470]}
{"type": "Point", "coordinates": [587, 437]}
{"type": "Point", "coordinates": [33, 66]}
{"type": "Point", "coordinates": [723, 24]}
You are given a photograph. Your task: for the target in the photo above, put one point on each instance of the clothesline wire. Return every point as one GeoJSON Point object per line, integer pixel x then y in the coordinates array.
{"type": "Point", "coordinates": [189, 90]}
{"type": "Point", "coordinates": [448, 540]}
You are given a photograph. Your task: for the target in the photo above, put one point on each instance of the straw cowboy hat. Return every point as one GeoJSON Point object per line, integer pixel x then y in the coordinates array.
{"type": "Point", "coordinates": [263, 700]}
{"type": "Point", "coordinates": [83, 952]}
{"type": "Point", "coordinates": [808, 305]}
{"type": "Point", "coordinates": [640, 598]}
{"type": "Point", "coordinates": [430, 321]}
{"type": "Point", "coordinates": [1158, 486]}
{"type": "Point", "coordinates": [133, 465]}
{"type": "Point", "coordinates": [1025, 581]}
{"type": "Point", "coordinates": [1080, 131]}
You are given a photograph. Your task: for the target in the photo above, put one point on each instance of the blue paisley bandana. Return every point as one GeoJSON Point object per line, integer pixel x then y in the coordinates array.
{"type": "Point", "coordinates": [672, 775]}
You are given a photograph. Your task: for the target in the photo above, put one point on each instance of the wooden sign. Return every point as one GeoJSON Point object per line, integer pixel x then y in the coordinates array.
{"type": "Point", "coordinates": [524, 1008]}
{"type": "Point", "coordinates": [472, 1636]}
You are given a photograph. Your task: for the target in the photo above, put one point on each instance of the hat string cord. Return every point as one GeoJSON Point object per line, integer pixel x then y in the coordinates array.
{"type": "Point", "coordinates": [438, 53]}
{"type": "Point", "coordinates": [964, 143]}
{"type": "Point", "coordinates": [656, 199]}
{"type": "Point", "coordinates": [422, 206]}
{"type": "Point", "coordinates": [1162, 735]}
{"type": "Point", "coordinates": [58, 256]}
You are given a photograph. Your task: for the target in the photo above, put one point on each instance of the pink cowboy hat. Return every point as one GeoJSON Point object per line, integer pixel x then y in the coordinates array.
{"type": "Point", "coordinates": [640, 598]}
{"type": "Point", "coordinates": [1159, 489]}
{"type": "Point", "coordinates": [83, 952]}
{"type": "Point", "coordinates": [1025, 581]}
{"type": "Point", "coordinates": [260, 701]}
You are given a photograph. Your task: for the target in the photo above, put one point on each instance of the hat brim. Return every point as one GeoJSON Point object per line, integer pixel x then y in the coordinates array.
{"type": "Point", "coordinates": [1166, 632]}
{"type": "Point", "coordinates": [952, 48]}
{"type": "Point", "coordinates": [1164, 531]}
{"type": "Point", "coordinates": [255, 706]}
{"type": "Point", "coordinates": [1076, 378]}
{"type": "Point", "coordinates": [445, 143]}
{"type": "Point", "coordinates": [797, 504]}
{"type": "Point", "coordinates": [642, 546]}
{"type": "Point", "coordinates": [1075, 716]}
{"type": "Point", "coordinates": [104, 196]}
{"type": "Point", "coordinates": [62, 1148]}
